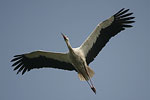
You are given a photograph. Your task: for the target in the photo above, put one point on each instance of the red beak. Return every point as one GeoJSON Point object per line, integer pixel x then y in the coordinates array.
{"type": "Point", "coordinates": [64, 36]}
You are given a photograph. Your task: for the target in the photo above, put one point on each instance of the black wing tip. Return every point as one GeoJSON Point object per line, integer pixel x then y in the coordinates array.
{"type": "Point", "coordinates": [17, 55]}
{"type": "Point", "coordinates": [22, 70]}
{"type": "Point", "coordinates": [18, 65]}
{"type": "Point", "coordinates": [127, 26]}
{"type": "Point", "coordinates": [124, 18]}
{"type": "Point", "coordinates": [122, 11]}
{"type": "Point", "coordinates": [16, 59]}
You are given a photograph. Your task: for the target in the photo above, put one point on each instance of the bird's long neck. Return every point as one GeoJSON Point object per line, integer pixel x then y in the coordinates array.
{"type": "Point", "coordinates": [69, 45]}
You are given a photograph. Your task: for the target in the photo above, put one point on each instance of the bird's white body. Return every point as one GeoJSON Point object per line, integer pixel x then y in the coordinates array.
{"type": "Point", "coordinates": [79, 58]}
{"type": "Point", "coordinates": [78, 61]}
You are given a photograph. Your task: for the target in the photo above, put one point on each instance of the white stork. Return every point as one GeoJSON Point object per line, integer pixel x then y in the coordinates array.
{"type": "Point", "coordinates": [77, 59]}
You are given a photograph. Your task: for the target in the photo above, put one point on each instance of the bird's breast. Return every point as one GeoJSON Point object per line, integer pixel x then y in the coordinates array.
{"type": "Point", "coordinates": [77, 61]}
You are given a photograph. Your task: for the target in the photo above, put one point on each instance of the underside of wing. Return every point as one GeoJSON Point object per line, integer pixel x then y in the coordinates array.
{"type": "Point", "coordinates": [104, 31]}
{"type": "Point", "coordinates": [41, 59]}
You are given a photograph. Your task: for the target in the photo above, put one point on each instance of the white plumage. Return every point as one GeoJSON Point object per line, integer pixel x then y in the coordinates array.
{"type": "Point", "coordinates": [77, 59]}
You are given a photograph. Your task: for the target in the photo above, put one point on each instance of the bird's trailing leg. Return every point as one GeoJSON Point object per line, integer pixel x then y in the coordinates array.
{"type": "Point", "coordinates": [92, 86]}
{"type": "Point", "coordinates": [88, 80]}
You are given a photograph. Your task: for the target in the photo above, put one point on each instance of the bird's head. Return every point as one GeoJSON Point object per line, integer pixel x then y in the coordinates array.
{"type": "Point", "coordinates": [65, 37]}
{"type": "Point", "coordinates": [67, 41]}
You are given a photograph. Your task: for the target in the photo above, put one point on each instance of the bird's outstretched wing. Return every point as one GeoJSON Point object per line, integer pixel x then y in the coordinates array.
{"type": "Point", "coordinates": [103, 32]}
{"type": "Point", "coordinates": [41, 59]}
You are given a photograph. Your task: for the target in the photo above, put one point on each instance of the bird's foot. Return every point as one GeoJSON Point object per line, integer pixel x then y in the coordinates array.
{"type": "Point", "coordinates": [93, 88]}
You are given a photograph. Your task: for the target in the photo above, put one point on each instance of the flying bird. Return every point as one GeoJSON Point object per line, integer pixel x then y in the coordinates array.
{"type": "Point", "coordinates": [77, 59]}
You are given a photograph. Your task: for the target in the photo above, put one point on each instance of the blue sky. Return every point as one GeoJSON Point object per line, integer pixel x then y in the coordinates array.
{"type": "Point", "coordinates": [121, 68]}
